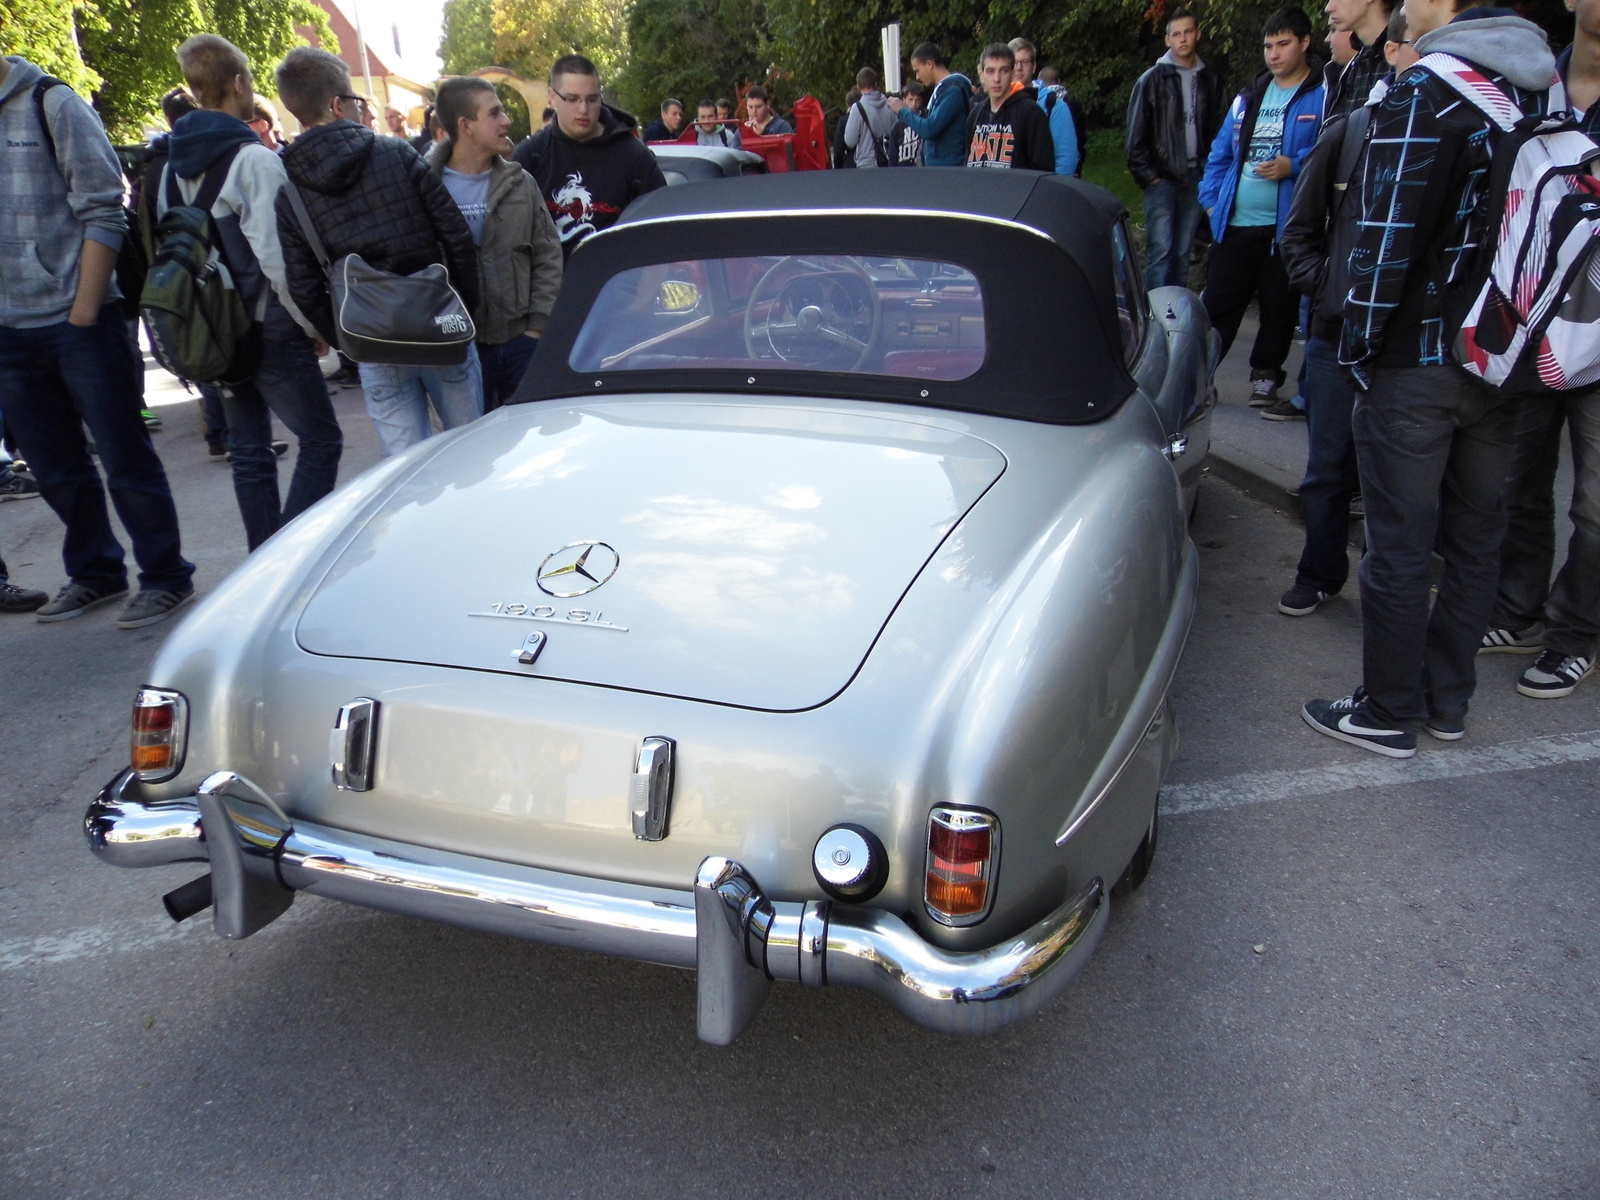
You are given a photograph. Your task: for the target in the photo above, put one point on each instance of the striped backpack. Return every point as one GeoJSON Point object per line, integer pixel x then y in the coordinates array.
{"type": "Point", "coordinates": [1533, 323]}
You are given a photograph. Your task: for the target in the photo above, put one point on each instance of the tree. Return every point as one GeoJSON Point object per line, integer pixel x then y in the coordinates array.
{"type": "Point", "coordinates": [131, 46]}
{"type": "Point", "coordinates": [468, 40]}
{"type": "Point", "coordinates": [531, 34]}
{"type": "Point", "coordinates": [42, 32]}
{"type": "Point", "coordinates": [693, 50]}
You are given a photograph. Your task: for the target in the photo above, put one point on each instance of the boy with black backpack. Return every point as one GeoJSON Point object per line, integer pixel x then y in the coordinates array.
{"type": "Point", "coordinates": [219, 172]}
{"type": "Point", "coordinates": [870, 124]}
{"type": "Point", "coordinates": [1434, 442]}
{"type": "Point", "coordinates": [64, 357]}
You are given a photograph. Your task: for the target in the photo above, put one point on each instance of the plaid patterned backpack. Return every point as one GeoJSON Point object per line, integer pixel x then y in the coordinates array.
{"type": "Point", "coordinates": [1533, 325]}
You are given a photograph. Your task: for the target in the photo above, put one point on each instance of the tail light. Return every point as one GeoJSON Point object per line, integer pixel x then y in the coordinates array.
{"type": "Point", "coordinates": [963, 859]}
{"type": "Point", "coordinates": [160, 734]}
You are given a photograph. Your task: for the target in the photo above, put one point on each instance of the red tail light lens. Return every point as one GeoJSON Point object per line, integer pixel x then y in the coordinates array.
{"type": "Point", "coordinates": [963, 856]}
{"type": "Point", "coordinates": [160, 733]}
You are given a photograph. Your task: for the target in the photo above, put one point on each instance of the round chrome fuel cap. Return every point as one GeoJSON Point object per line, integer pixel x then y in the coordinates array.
{"type": "Point", "coordinates": [850, 863]}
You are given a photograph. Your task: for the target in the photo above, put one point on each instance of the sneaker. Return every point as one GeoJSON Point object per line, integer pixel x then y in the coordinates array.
{"type": "Point", "coordinates": [216, 450]}
{"type": "Point", "coordinates": [280, 448]}
{"type": "Point", "coordinates": [1349, 720]}
{"type": "Point", "coordinates": [76, 599]}
{"type": "Point", "coordinates": [346, 377]}
{"type": "Point", "coordinates": [1554, 675]}
{"type": "Point", "coordinates": [1301, 600]}
{"type": "Point", "coordinates": [1283, 410]}
{"type": "Point", "coordinates": [1263, 388]}
{"type": "Point", "coordinates": [151, 605]}
{"type": "Point", "coordinates": [1446, 729]}
{"type": "Point", "coordinates": [1509, 641]}
{"type": "Point", "coordinates": [20, 600]}
{"type": "Point", "coordinates": [17, 487]}
{"type": "Point", "coordinates": [151, 421]}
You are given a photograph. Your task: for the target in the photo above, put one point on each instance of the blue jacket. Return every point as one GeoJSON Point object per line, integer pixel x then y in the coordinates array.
{"type": "Point", "coordinates": [943, 128]}
{"type": "Point", "coordinates": [1301, 121]}
{"type": "Point", "coordinates": [1063, 129]}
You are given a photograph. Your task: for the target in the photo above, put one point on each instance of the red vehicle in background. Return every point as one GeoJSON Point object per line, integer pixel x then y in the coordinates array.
{"type": "Point", "coordinates": [806, 149]}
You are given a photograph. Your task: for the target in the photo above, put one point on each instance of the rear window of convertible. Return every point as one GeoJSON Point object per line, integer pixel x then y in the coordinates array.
{"type": "Point", "coordinates": [903, 317]}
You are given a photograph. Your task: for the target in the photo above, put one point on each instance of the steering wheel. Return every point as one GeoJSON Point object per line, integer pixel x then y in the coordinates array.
{"type": "Point", "coordinates": [821, 318]}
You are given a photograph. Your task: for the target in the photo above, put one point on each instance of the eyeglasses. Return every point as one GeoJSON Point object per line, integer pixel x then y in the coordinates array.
{"type": "Point", "coordinates": [591, 101]}
{"type": "Point", "coordinates": [357, 100]}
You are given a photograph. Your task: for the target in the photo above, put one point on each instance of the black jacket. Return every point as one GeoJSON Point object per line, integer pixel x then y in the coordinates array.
{"type": "Point", "coordinates": [587, 184]}
{"type": "Point", "coordinates": [1016, 136]}
{"type": "Point", "coordinates": [1157, 145]}
{"type": "Point", "coordinates": [1347, 87]}
{"type": "Point", "coordinates": [1324, 221]}
{"type": "Point", "coordinates": [372, 196]}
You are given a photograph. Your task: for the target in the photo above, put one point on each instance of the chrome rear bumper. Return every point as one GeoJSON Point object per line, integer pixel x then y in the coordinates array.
{"type": "Point", "coordinates": [725, 926]}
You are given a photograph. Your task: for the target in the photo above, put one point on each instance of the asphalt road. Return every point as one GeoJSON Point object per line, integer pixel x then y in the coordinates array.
{"type": "Point", "coordinates": [1345, 977]}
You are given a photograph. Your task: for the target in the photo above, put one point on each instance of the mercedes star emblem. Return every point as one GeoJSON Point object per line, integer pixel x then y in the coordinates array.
{"type": "Point", "coordinates": [578, 566]}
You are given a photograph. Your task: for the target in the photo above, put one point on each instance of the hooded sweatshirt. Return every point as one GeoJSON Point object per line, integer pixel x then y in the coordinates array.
{"type": "Point", "coordinates": [586, 185]}
{"type": "Point", "coordinates": [943, 127]}
{"type": "Point", "coordinates": [1426, 168]}
{"type": "Point", "coordinates": [49, 204]}
{"type": "Point", "coordinates": [1018, 135]}
{"type": "Point", "coordinates": [244, 212]}
{"type": "Point", "coordinates": [870, 120]}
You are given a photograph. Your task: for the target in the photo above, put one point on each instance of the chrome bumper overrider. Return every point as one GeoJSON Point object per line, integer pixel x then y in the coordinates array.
{"type": "Point", "coordinates": [738, 938]}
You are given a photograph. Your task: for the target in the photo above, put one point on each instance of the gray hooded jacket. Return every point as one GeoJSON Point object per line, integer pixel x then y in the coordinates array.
{"type": "Point", "coordinates": [49, 205]}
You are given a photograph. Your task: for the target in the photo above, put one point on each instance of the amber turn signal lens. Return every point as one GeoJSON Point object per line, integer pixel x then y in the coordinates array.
{"type": "Point", "coordinates": [160, 730]}
{"type": "Point", "coordinates": [962, 858]}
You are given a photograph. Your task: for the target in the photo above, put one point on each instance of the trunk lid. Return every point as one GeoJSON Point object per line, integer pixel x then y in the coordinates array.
{"type": "Point", "coordinates": [744, 554]}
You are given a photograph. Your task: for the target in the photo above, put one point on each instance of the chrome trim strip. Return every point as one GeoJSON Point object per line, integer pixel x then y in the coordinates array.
{"type": "Point", "coordinates": [828, 213]}
{"type": "Point", "coordinates": [1144, 714]}
{"type": "Point", "coordinates": [738, 938]}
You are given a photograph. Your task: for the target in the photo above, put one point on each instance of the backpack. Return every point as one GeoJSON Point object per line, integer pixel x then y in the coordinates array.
{"type": "Point", "coordinates": [199, 327]}
{"type": "Point", "coordinates": [132, 261]}
{"type": "Point", "coordinates": [885, 149]}
{"type": "Point", "coordinates": [1534, 287]}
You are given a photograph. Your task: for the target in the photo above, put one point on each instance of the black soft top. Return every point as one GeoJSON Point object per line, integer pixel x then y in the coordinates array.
{"type": "Point", "coordinates": [1040, 246]}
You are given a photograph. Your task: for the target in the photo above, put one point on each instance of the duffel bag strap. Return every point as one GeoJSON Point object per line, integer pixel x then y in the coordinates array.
{"type": "Point", "coordinates": [297, 203]}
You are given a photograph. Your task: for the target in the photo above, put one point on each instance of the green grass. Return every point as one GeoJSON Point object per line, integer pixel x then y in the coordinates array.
{"type": "Point", "coordinates": [1106, 164]}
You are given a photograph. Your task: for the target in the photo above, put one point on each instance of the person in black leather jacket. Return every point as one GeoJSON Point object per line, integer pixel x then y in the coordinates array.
{"type": "Point", "coordinates": [372, 196]}
{"type": "Point", "coordinates": [1173, 116]}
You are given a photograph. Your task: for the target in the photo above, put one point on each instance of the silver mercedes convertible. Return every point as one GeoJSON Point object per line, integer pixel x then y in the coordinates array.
{"type": "Point", "coordinates": [811, 616]}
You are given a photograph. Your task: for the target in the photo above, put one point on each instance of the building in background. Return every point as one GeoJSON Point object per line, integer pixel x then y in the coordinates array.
{"type": "Point", "coordinates": [391, 83]}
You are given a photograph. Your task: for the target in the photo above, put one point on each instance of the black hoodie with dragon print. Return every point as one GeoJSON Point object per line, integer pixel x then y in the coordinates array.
{"type": "Point", "coordinates": [587, 184]}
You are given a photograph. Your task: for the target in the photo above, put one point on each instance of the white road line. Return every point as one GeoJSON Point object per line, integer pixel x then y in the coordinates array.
{"type": "Point", "coordinates": [1443, 762]}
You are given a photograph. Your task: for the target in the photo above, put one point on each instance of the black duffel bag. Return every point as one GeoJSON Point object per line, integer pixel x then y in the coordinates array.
{"type": "Point", "coordinates": [415, 320]}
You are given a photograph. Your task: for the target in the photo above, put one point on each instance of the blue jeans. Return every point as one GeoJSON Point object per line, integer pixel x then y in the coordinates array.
{"type": "Point", "coordinates": [503, 368]}
{"type": "Point", "coordinates": [1171, 216]}
{"type": "Point", "coordinates": [1434, 445]}
{"type": "Point", "coordinates": [53, 382]}
{"type": "Point", "coordinates": [288, 383]}
{"type": "Point", "coordinates": [1330, 470]}
{"type": "Point", "coordinates": [397, 399]}
{"type": "Point", "coordinates": [1569, 607]}
{"type": "Point", "coordinates": [211, 414]}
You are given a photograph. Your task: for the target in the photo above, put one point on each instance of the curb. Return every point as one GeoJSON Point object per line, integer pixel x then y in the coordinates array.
{"type": "Point", "coordinates": [1254, 477]}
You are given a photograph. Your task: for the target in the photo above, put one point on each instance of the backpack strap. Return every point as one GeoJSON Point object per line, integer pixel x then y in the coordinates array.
{"type": "Point", "coordinates": [39, 89]}
{"type": "Point", "coordinates": [881, 158]}
{"type": "Point", "coordinates": [1356, 126]}
{"type": "Point", "coordinates": [301, 215]}
{"type": "Point", "coordinates": [210, 183]}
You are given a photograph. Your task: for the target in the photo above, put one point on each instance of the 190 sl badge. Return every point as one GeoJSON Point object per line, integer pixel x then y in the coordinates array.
{"type": "Point", "coordinates": [578, 567]}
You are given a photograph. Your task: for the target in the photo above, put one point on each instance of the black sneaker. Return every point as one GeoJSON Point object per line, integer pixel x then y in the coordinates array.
{"type": "Point", "coordinates": [216, 450]}
{"type": "Point", "coordinates": [76, 599]}
{"type": "Point", "coordinates": [17, 487]}
{"type": "Point", "coordinates": [1554, 675]}
{"type": "Point", "coordinates": [1283, 410]}
{"type": "Point", "coordinates": [1349, 720]}
{"type": "Point", "coordinates": [280, 448]}
{"type": "Point", "coordinates": [1509, 641]}
{"type": "Point", "coordinates": [1263, 388]}
{"type": "Point", "coordinates": [1446, 729]}
{"type": "Point", "coordinates": [19, 599]}
{"type": "Point", "coordinates": [151, 605]}
{"type": "Point", "coordinates": [1301, 600]}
